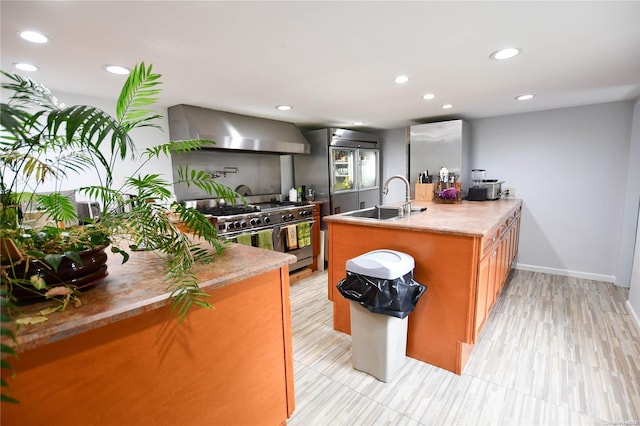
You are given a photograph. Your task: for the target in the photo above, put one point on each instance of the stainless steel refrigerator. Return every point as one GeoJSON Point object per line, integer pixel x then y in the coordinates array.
{"type": "Point", "coordinates": [440, 144]}
{"type": "Point", "coordinates": [343, 169]}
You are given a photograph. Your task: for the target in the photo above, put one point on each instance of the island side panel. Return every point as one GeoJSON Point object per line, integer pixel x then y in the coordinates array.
{"type": "Point", "coordinates": [287, 336]}
{"type": "Point", "coordinates": [229, 365]}
{"type": "Point", "coordinates": [446, 263]}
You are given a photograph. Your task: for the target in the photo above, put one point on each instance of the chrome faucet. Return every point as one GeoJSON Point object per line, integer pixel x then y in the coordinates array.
{"type": "Point", "coordinates": [405, 210]}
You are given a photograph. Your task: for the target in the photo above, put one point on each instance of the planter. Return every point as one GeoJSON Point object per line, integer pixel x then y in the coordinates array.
{"type": "Point", "coordinates": [78, 275]}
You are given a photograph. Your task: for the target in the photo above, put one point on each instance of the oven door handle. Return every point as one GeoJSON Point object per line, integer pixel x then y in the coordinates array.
{"type": "Point", "coordinates": [253, 231]}
{"type": "Point", "coordinates": [282, 226]}
{"type": "Point", "coordinates": [278, 242]}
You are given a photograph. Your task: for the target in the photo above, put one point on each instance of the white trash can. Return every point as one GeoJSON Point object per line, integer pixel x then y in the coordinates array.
{"type": "Point", "coordinates": [378, 342]}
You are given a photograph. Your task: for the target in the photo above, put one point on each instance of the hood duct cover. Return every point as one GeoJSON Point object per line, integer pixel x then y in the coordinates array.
{"type": "Point", "coordinates": [236, 131]}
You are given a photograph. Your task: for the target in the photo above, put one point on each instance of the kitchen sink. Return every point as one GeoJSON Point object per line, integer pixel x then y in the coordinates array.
{"type": "Point", "coordinates": [380, 212]}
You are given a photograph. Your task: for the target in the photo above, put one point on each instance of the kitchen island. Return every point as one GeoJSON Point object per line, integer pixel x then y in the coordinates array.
{"type": "Point", "coordinates": [123, 358]}
{"type": "Point", "coordinates": [463, 253]}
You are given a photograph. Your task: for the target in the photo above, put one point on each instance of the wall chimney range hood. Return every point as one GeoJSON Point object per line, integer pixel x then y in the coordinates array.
{"type": "Point", "coordinates": [235, 131]}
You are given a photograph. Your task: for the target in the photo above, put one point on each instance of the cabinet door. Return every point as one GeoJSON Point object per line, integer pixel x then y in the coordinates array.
{"type": "Point", "coordinates": [502, 264]}
{"type": "Point", "coordinates": [486, 290]}
{"type": "Point", "coordinates": [481, 294]}
{"type": "Point", "coordinates": [343, 172]}
{"type": "Point", "coordinates": [515, 233]}
{"type": "Point", "coordinates": [494, 280]}
{"type": "Point", "coordinates": [368, 166]}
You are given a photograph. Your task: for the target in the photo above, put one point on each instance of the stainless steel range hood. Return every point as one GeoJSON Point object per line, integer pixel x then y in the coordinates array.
{"type": "Point", "coordinates": [236, 131]}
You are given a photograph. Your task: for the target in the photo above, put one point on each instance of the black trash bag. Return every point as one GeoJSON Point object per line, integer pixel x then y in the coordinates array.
{"type": "Point", "coordinates": [395, 298]}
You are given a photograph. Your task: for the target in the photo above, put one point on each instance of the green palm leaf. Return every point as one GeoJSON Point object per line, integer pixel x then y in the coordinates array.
{"type": "Point", "coordinates": [90, 126]}
{"type": "Point", "coordinates": [27, 92]}
{"type": "Point", "coordinates": [140, 90]}
{"type": "Point", "coordinates": [61, 208]}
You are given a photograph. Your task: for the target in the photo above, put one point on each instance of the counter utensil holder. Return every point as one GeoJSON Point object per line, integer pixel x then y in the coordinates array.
{"type": "Point", "coordinates": [438, 193]}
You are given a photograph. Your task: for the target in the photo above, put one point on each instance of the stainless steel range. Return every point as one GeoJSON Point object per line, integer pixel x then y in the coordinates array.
{"type": "Point", "coordinates": [265, 222]}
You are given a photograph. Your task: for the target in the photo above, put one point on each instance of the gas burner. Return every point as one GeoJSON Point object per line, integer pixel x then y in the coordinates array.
{"type": "Point", "coordinates": [277, 205]}
{"type": "Point", "coordinates": [228, 210]}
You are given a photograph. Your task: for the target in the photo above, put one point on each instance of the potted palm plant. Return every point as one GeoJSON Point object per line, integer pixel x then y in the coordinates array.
{"type": "Point", "coordinates": [42, 141]}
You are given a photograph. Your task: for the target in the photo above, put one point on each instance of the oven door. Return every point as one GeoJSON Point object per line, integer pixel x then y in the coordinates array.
{"type": "Point", "coordinates": [284, 238]}
{"type": "Point", "coordinates": [253, 232]}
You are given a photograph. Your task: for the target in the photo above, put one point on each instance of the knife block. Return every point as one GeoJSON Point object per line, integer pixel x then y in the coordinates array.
{"type": "Point", "coordinates": [424, 192]}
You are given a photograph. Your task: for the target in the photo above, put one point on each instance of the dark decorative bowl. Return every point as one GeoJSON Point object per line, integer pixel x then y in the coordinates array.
{"type": "Point", "coordinates": [78, 275]}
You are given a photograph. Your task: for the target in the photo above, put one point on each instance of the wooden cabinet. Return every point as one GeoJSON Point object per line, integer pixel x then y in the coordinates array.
{"type": "Point", "coordinates": [457, 262]}
{"type": "Point", "coordinates": [486, 289]}
{"type": "Point", "coordinates": [232, 365]}
{"type": "Point", "coordinates": [317, 207]}
{"type": "Point", "coordinates": [499, 249]}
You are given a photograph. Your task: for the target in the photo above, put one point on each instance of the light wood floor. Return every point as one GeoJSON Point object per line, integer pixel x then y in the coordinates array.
{"type": "Point", "coordinates": [555, 351]}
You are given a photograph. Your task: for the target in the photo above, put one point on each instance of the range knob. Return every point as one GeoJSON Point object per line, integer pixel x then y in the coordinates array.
{"type": "Point", "coordinates": [267, 219]}
{"type": "Point", "coordinates": [236, 225]}
{"type": "Point", "coordinates": [284, 217]}
{"type": "Point", "coordinates": [290, 217]}
{"type": "Point", "coordinates": [243, 224]}
{"type": "Point", "coordinates": [253, 222]}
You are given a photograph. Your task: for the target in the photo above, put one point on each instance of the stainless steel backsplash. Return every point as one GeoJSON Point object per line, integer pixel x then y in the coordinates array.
{"type": "Point", "coordinates": [260, 172]}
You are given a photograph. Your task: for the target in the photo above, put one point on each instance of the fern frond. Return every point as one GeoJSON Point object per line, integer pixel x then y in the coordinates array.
{"type": "Point", "coordinates": [207, 183]}
{"type": "Point", "coordinates": [59, 207]}
{"type": "Point", "coordinates": [150, 186]}
{"type": "Point", "coordinates": [90, 127]}
{"type": "Point", "coordinates": [185, 292]}
{"type": "Point", "coordinates": [140, 90]}
{"type": "Point", "coordinates": [176, 147]}
{"type": "Point", "coordinates": [27, 92]}
{"type": "Point", "coordinates": [197, 224]}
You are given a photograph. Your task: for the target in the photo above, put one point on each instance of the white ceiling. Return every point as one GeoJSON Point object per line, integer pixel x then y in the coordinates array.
{"type": "Point", "coordinates": [335, 62]}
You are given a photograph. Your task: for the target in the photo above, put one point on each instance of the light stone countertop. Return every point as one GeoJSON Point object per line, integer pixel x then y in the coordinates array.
{"type": "Point", "coordinates": [470, 218]}
{"type": "Point", "coordinates": [137, 287]}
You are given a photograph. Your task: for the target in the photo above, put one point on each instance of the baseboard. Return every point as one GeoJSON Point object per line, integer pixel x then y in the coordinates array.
{"type": "Point", "coordinates": [633, 314]}
{"type": "Point", "coordinates": [299, 275]}
{"type": "Point", "coordinates": [566, 273]}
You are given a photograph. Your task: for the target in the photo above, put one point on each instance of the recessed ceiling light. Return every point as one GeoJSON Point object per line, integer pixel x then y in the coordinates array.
{"type": "Point", "coordinates": [26, 67]}
{"type": "Point", "coordinates": [284, 107]}
{"type": "Point", "coordinates": [447, 106]}
{"type": "Point", "coordinates": [401, 79]}
{"type": "Point", "coordinates": [358, 123]}
{"type": "Point", "coordinates": [33, 37]}
{"type": "Point", "coordinates": [429, 96]}
{"type": "Point", "coordinates": [117, 69]}
{"type": "Point", "coordinates": [507, 53]}
{"type": "Point", "coordinates": [525, 97]}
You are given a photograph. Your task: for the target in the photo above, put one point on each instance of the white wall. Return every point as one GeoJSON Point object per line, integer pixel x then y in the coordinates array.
{"type": "Point", "coordinates": [632, 201]}
{"type": "Point", "coordinates": [633, 304]}
{"type": "Point", "coordinates": [570, 167]}
{"type": "Point", "coordinates": [574, 169]}
{"type": "Point", "coordinates": [143, 138]}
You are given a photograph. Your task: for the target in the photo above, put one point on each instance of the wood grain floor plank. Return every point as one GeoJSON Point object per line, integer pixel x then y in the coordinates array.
{"type": "Point", "coordinates": [554, 351]}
